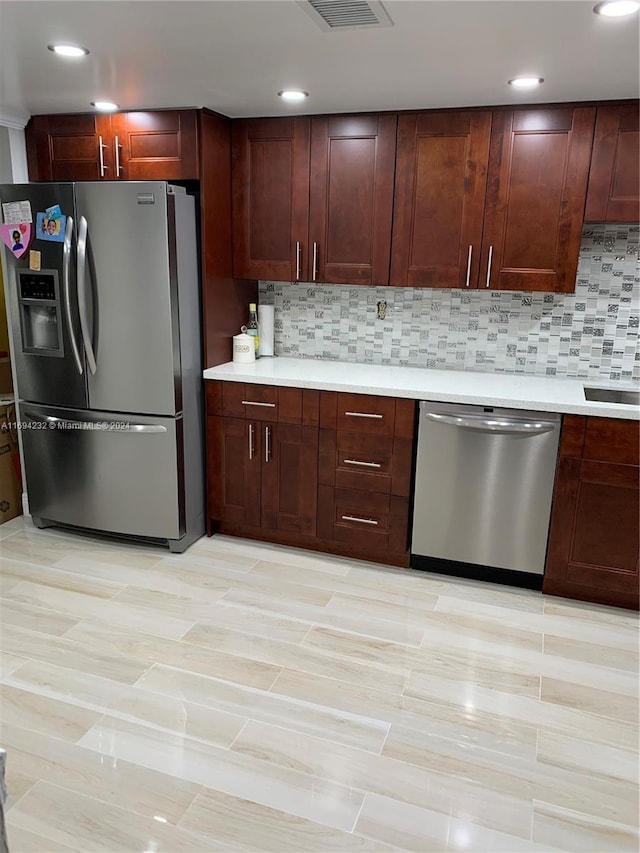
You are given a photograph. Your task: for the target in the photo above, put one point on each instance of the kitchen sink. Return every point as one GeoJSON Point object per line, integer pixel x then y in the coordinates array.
{"type": "Point", "coordinates": [612, 395]}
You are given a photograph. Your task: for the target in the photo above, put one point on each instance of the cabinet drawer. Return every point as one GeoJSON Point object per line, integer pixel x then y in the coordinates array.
{"type": "Point", "coordinates": [266, 403]}
{"type": "Point", "coordinates": [374, 463]}
{"type": "Point", "coordinates": [365, 413]}
{"type": "Point", "coordinates": [611, 440]}
{"type": "Point", "coordinates": [369, 522]}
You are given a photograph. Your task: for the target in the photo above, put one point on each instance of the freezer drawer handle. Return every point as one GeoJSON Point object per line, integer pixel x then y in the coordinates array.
{"type": "Point", "coordinates": [504, 426]}
{"type": "Point", "coordinates": [364, 464]}
{"type": "Point", "coordinates": [363, 415]}
{"type": "Point", "coordinates": [66, 258]}
{"type": "Point", "coordinates": [82, 294]}
{"type": "Point", "coordinates": [252, 403]}
{"type": "Point", "coordinates": [99, 426]}
{"type": "Point", "coordinates": [360, 520]}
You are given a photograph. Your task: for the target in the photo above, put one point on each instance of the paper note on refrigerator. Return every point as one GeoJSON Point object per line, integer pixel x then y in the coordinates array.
{"type": "Point", "coordinates": [15, 212]}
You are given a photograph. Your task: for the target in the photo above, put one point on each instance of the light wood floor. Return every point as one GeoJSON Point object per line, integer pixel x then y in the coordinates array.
{"type": "Point", "coordinates": [249, 697]}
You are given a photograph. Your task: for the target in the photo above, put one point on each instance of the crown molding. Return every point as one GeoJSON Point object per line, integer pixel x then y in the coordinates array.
{"type": "Point", "coordinates": [13, 121]}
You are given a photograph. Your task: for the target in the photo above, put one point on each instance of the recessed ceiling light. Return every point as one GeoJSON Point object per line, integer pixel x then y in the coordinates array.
{"type": "Point", "coordinates": [616, 8]}
{"type": "Point", "coordinates": [105, 106]}
{"type": "Point", "coordinates": [526, 82]}
{"type": "Point", "coordinates": [68, 50]}
{"type": "Point", "coordinates": [294, 96]}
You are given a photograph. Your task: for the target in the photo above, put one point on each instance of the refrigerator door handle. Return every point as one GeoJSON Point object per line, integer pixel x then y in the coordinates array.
{"type": "Point", "coordinates": [101, 426]}
{"type": "Point", "coordinates": [66, 261]}
{"type": "Point", "coordinates": [82, 294]}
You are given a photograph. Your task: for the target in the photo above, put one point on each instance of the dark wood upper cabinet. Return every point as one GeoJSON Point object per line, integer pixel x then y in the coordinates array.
{"type": "Point", "coordinates": [150, 145]}
{"type": "Point", "coordinates": [351, 198]}
{"type": "Point", "coordinates": [439, 198]}
{"type": "Point", "coordinates": [536, 189]}
{"type": "Point", "coordinates": [70, 148]}
{"type": "Point", "coordinates": [614, 179]}
{"type": "Point", "coordinates": [270, 178]}
{"type": "Point", "coordinates": [313, 198]}
{"type": "Point", "coordinates": [159, 145]}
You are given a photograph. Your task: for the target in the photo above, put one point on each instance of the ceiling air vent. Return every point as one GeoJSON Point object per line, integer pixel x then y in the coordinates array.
{"type": "Point", "coordinates": [346, 14]}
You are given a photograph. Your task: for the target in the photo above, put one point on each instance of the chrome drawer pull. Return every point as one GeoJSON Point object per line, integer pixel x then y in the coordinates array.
{"type": "Point", "coordinates": [364, 464]}
{"type": "Point", "coordinates": [253, 403]}
{"type": "Point", "coordinates": [363, 415]}
{"type": "Point", "coordinates": [250, 441]}
{"type": "Point", "coordinates": [361, 520]}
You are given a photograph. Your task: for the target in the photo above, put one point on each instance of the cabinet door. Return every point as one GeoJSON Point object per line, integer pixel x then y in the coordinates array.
{"type": "Point", "coordinates": [536, 191]}
{"type": "Point", "coordinates": [70, 148]}
{"type": "Point", "coordinates": [593, 542]}
{"type": "Point", "coordinates": [270, 180]}
{"type": "Point", "coordinates": [233, 469]}
{"type": "Point", "coordinates": [160, 145]}
{"type": "Point", "coordinates": [289, 456]}
{"type": "Point", "coordinates": [439, 198]}
{"type": "Point", "coordinates": [351, 198]}
{"type": "Point", "coordinates": [614, 179]}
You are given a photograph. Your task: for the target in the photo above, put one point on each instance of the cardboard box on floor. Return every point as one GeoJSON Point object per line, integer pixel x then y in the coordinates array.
{"type": "Point", "coordinates": [10, 485]}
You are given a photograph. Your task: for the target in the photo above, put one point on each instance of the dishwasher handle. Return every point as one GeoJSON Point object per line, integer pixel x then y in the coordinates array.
{"type": "Point", "coordinates": [499, 425]}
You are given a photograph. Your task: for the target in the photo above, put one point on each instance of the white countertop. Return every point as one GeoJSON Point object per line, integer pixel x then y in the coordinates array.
{"type": "Point", "coordinates": [539, 393]}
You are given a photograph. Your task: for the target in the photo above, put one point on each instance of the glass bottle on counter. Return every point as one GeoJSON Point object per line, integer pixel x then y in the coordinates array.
{"type": "Point", "coordinates": [252, 327]}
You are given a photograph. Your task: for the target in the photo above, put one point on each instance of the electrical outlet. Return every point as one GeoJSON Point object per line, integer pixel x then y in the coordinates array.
{"type": "Point", "coordinates": [382, 309]}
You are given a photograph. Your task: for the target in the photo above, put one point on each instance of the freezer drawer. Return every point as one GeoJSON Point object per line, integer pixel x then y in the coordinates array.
{"type": "Point", "coordinates": [120, 475]}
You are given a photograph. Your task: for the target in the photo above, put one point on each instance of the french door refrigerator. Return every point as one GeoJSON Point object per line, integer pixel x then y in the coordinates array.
{"type": "Point", "coordinates": [106, 341]}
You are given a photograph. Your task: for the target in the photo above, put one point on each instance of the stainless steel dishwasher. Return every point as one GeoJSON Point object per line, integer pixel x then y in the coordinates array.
{"type": "Point", "coordinates": [483, 491]}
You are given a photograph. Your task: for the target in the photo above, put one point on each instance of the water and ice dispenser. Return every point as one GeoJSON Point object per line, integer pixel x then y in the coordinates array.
{"type": "Point", "coordinates": [40, 312]}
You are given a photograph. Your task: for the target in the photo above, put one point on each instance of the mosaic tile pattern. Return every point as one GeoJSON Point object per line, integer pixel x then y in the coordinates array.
{"type": "Point", "coordinates": [590, 334]}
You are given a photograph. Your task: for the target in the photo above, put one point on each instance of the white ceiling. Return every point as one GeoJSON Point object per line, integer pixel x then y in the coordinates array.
{"type": "Point", "coordinates": [234, 55]}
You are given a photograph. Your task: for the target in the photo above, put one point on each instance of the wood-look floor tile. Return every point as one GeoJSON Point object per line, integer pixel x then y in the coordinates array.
{"type": "Point", "coordinates": [23, 841]}
{"type": "Point", "coordinates": [592, 653]}
{"type": "Point", "coordinates": [321, 615]}
{"type": "Point", "coordinates": [9, 663]}
{"type": "Point", "coordinates": [122, 701]}
{"type": "Point", "coordinates": [71, 654]}
{"type": "Point", "coordinates": [243, 824]}
{"type": "Point", "coordinates": [182, 655]}
{"type": "Point", "coordinates": [333, 804]}
{"type": "Point", "coordinates": [43, 714]}
{"type": "Point", "coordinates": [605, 703]}
{"type": "Point", "coordinates": [277, 554]}
{"type": "Point", "coordinates": [424, 786]}
{"type": "Point", "coordinates": [251, 621]}
{"type": "Point", "coordinates": [59, 579]}
{"type": "Point", "coordinates": [292, 714]}
{"type": "Point", "coordinates": [35, 618]}
{"type": "Point", "coordinates": [524, 710]}
{"type": "Point", "coordinates": [582, 756]}
{"type": "Point", "coordinates": [574, 831]}
{"type": "Point", "coordinates": [299, 657]}
{"type": "Point", "coordinates": [86, 606]}
{"type": "Point", "coordinates": [86, 772]}
{"type": "Point", "coordinates": [424, 831]}
{"type": "Point", "coordinates": [91, 825]}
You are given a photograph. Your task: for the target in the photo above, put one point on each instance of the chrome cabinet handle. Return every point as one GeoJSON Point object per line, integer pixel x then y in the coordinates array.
{"type": "Point", "coordinates": [117, 152]}
{"type": "Point", "coordinates": [267, 444]}
{"type": "Point", "coordinates": [364, 464]}
{"type": "Point", "coordinates": [82, 294]}
{"type": "Point", "coordinates": [489, 266]}
{"type": "Point", "coordinates": [360, 520]}
{"type": "Point", "coordinates": [297, 260]}
{"type": "Point", "coordinates": [363, 415]}
{"type": "Point", "coordinates": [250, 441]}
{"type": "Point", "coordinates": [101, 147]}
{"type": "Point", "coordinates": [504, 426]}
{"type": "Point", "coordinates": [66, 262]}
{"type": "Point", "coordinates": [98, 426]}
{"type": "Point", "coordinates": [315, 261]}
{"type": "Point", "coordinates": [469, 266]}
{"type": "Point", "coordinates": [254, 403]}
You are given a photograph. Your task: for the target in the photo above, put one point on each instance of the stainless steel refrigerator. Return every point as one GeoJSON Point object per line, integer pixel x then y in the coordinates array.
{"type": "Point", "coordinates": [106, 342]}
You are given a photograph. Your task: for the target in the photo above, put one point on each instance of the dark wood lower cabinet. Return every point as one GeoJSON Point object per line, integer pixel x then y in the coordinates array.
{"type": "Point", "coordinates": [594, 539]}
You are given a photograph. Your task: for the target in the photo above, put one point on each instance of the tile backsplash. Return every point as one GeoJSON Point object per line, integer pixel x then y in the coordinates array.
{"type": "Point", "coordinates": [590, 334]}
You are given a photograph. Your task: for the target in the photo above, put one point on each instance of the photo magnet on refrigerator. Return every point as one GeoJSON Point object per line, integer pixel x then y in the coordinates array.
{"type": "Point", "coordinates": [17, 237]}
{"type": "Point", "coordinates": [50, 228]}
